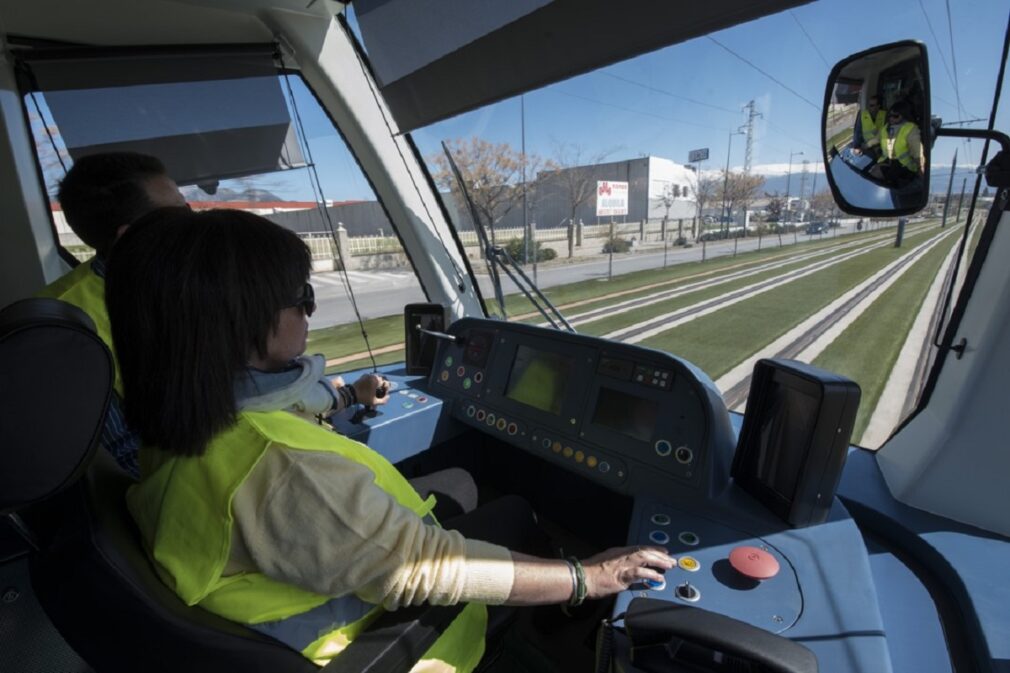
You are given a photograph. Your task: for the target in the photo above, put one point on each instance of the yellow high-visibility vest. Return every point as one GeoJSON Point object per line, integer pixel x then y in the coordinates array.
{"type": "Point", "coordinates": [871, 126]}
{"type": "Point", "coordinates": [896, 148]}
{"type": "Point", "coordinates": [85, 289]}
{"type": "Point", "coordinates": [183, 508]}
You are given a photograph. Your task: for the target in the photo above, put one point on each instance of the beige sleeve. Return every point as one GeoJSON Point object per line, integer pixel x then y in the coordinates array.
{"type": "Point", "coordinates": [317, 520]}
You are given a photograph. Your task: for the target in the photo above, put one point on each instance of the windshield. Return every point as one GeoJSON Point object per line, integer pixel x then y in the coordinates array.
{"type": "Point", "coordinates": [678, 200]}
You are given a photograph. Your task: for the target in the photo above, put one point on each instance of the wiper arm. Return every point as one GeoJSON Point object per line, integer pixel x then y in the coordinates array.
{"type": "Point", "coordinates": [495, 256]}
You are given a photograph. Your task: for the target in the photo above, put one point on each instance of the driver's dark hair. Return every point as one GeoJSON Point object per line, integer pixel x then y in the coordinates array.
{"type": "Point", "coordinates": [102, 192]}
{"type": "Point", "coordinates": [904, 108]}
{"type": "Point", "coordinates": [191, 296]}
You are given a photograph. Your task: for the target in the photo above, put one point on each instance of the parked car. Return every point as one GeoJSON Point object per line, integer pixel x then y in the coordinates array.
{"type": "Point", "coordinates": [816, 228]}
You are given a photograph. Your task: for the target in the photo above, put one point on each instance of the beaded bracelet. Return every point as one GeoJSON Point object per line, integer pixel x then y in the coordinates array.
{"type": "Point", "coordinates": [579, 594]}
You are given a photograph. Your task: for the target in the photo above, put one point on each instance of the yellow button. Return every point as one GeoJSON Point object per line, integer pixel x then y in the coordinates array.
{"type": "Point", "coordinates": [556, 447]}
{"type": "Point", "coordinates": [689, 563]}
{"type": "Point", "coordinates": [591, 461]}
{"type": "Point", "coordinates": [502, 423]}
{"type": "Point", "coordinates": [568, 452]}
{"type": "Point", "coordinates": [579, 456]}
{"type": "Point", "coordinates": [444, 376]}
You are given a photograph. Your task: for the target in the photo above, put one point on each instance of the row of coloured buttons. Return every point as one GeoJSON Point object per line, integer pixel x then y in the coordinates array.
{"type": "Point", "coordinates": [408, 398]}
{"type": "Point", "coordinates": [578, 455]}
{"type": "Point", "coordinates": [489, 418]}
{"type": "Point", "coordinates": [467, 382]}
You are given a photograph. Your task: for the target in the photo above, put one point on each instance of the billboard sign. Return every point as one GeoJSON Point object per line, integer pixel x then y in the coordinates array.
{"type": "Point", "coordinates": [695, 156]}
{"type": "Point", "coordinates": [611, 198]}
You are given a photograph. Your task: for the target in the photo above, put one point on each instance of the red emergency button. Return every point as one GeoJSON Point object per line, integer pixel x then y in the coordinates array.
{"type": "Point", "coordinates": [754, 563]}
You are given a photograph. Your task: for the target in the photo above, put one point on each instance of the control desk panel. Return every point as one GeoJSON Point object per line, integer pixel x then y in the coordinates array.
{"type": "Point", "coordinates": [628, 417]}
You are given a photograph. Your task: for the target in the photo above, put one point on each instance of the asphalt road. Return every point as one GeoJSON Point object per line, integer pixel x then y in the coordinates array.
{"type": "Point", "coordinates": [385, 293]}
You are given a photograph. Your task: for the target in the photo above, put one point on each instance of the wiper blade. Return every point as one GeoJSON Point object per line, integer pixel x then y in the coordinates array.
{"type": "Point", "coordinates": [495, 256]}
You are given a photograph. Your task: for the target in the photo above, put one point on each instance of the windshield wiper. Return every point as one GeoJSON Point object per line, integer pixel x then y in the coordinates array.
{"type": "Point", "coordinates": [497, 257]}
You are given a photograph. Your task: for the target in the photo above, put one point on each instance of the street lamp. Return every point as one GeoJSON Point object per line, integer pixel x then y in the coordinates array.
{"type": "Point", "coordinates": [789, 177]}
{"type": "Point", "coordinates": [725, 180]}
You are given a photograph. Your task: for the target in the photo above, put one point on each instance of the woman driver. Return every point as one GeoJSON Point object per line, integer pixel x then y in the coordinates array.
{"type": "Point", "coordinates": [262, 516]}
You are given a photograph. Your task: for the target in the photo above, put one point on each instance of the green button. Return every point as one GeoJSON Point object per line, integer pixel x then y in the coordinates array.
{"type": "Point", "coordinates": [448, 361]}
{"type": "Point", "coordinates": [467, 383]}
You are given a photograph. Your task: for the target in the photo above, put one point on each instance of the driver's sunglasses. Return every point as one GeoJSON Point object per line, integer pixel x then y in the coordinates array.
{"type": "Point", "coordinates": [307, 302]}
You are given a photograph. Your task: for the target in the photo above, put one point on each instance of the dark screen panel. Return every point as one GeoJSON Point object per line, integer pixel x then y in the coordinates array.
{"type": "Point", "coordinates": [784, 438]}
{"type": "Point", "coordinates": [629, 415]}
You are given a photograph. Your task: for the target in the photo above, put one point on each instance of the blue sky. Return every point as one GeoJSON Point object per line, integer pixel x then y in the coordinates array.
{"type": "Point", "coordinates": [628, 107]}
{"type": "Point", "coordinates": [691, 95]}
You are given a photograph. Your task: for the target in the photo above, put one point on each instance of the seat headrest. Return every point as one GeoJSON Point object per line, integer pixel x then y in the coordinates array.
{"type": "Point", "coordinates": [55, 383]}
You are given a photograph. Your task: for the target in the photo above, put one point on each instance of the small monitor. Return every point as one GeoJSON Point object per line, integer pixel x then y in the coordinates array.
{"type": "Point", "coordinates": [539, 379]}
{"type": "Point", "coordinates": [795, 438]}
{"type": "Point", "coordinates": [420, 347]}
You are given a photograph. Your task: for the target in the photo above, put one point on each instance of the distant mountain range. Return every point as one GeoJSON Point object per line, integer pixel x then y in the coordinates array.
{"type": "Point", "coordinates": [194, 193]}
{"type": "Point", "coordinates": [776, 176]}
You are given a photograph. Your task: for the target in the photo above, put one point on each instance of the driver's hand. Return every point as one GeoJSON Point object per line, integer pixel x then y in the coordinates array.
{"type": "Point", "coordinates": [857, 151]}
{"type": "Point", "coordinates": [367, 388]}
{"type": "Point", "coordinates": [618, 568]}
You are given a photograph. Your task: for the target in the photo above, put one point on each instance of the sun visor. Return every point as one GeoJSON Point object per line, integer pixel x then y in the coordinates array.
{"type": "Point", "coordinates": [437, 58]}
{"type": "Point", "coordinates": [207, 115]}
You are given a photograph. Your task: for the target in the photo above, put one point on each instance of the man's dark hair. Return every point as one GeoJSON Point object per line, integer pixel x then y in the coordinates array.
{"type": "Point", "coordinates": [904, 108]}
{"type": "Point", "coordinates": [102, 192]}
{"type": "Point", "coordinates": [191, 296]}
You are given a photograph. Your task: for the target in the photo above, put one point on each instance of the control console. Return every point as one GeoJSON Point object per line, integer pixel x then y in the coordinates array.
{"type": "Point", "coordinates": [631, 418]}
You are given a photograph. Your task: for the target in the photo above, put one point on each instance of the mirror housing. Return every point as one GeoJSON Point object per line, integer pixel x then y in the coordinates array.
{"type": "Point", "coordinates": [876, 132]}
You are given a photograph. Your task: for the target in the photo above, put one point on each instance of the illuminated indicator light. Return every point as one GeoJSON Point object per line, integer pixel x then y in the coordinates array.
{"type": "Point", "coordinates": [567, 452]}
{"type": "Point", "coordinates": [579, 456]}
{"type": "Point", "coordinates": [502, 423]}
{"type": "Point", "coordinates": [689, 563]}
{"type": "Point", "coordinates": [513, 428]}
{"type": "Point", "coordinates": [591, 461]}
{"type": "Point", "coordinates": [444, 376]}
{"type": "Point", "coordinates": [448, 361]}
{"type": "Point", "coordinates": [460, 370]}
{"type": "Point", "coordinates": [467, 383]}
{"type": "Point", "coordinates": [556, 447]}
{"type": "Point", "coordinates": [478, 377]}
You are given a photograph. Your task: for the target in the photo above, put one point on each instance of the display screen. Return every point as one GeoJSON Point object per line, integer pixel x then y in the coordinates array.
{"type": "Point", "coordinates": [539, 379]}
{"type": "Point", "coordinates": [784, 438]}
{"type": "Point", "coordinates": [627, 414]}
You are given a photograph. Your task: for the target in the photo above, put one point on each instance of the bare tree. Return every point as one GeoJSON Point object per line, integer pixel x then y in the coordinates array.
{"type": "Point", "coordinates": [491, 173]}
{"type": "Point", "coordinates": [741, 189]}
{"type": "Point", "coordinates": [666, 199]}
{"type": "Point", "coordinates": [573, 172]}
{"type": "Point", "coordinates": [776, 206]}
{"type": "Point", "coordinates": [705, 188]}
{"type": "Point", "coordinates": [822, 204]}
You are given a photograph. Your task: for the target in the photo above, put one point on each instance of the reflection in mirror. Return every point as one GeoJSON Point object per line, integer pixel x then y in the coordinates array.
{"type": "Point", "coordinates": [877, 156]}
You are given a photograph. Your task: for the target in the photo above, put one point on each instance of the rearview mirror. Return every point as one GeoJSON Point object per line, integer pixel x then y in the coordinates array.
{"type": "Point", "coordinates": [876, 130]}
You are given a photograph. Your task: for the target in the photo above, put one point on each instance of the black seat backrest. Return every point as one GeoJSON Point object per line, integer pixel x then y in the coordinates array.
{"type": "Point", "coordinates": [99, 561]}
{"type": "Point", "coordinates": [55, 382]}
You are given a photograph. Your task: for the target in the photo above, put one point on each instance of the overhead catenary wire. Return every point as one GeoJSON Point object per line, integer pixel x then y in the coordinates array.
{"type": "Point", "coordinates": [325, 211]}
{"type": "Point", "coordinates": [809, 39]}
{"type": "Point", "coordinates": [664, 92]}
{"type": "Point", "coordinates": [767, 74]}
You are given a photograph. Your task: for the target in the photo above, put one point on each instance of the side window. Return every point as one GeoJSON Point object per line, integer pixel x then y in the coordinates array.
{"type": "Point", "coordinates": [312, 185]}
